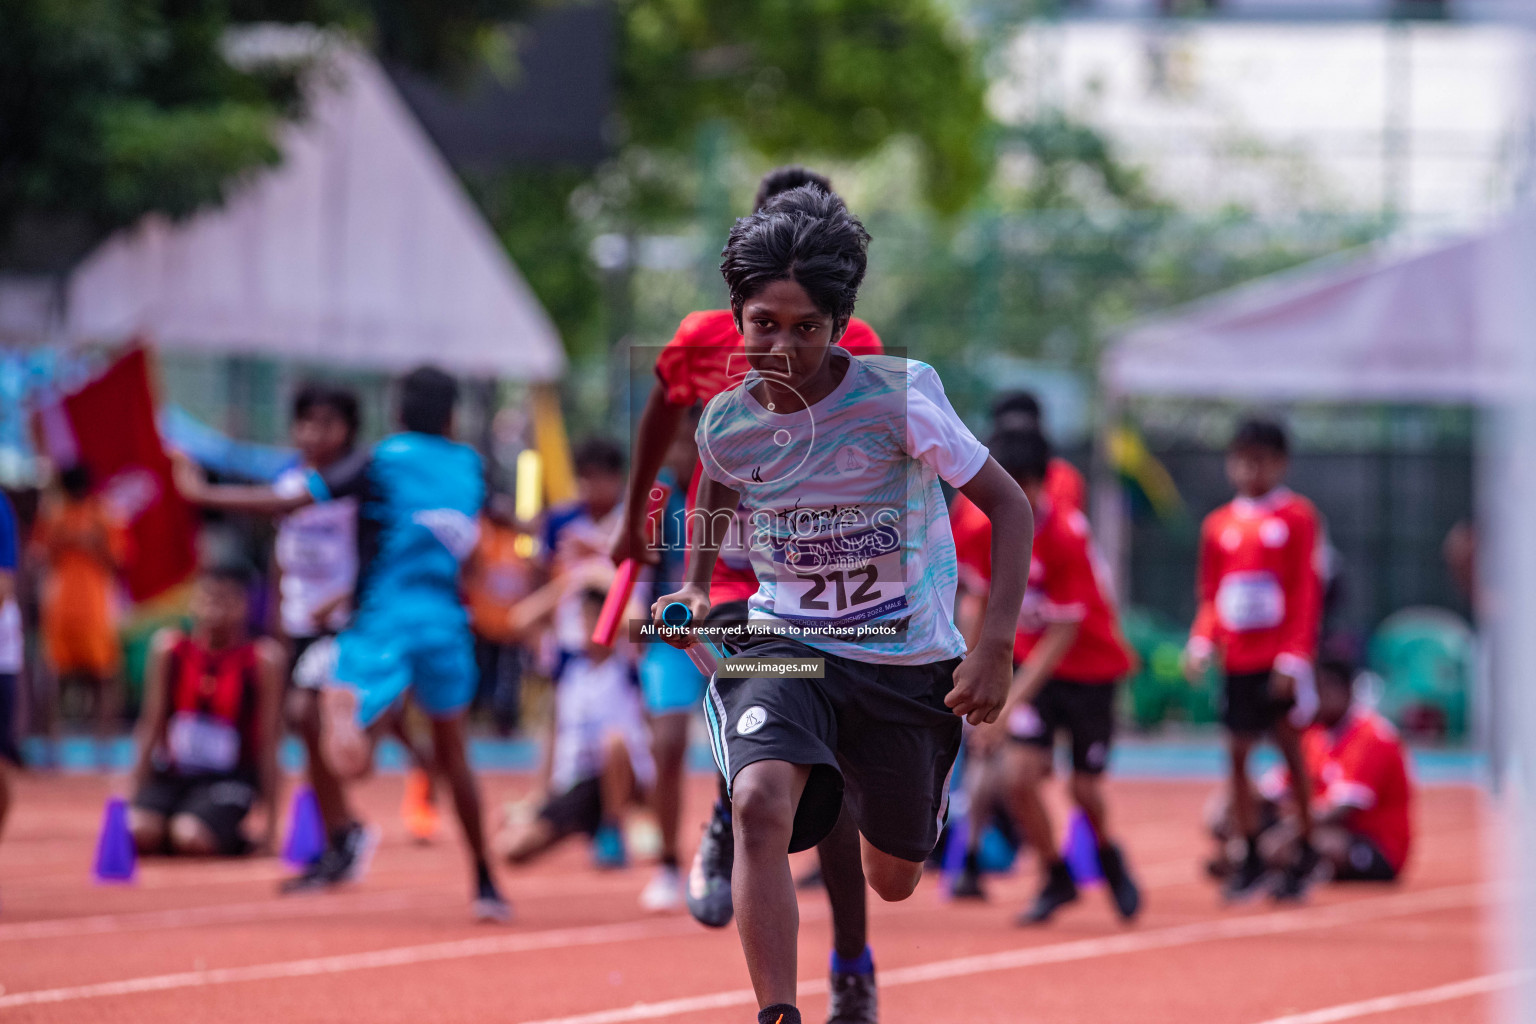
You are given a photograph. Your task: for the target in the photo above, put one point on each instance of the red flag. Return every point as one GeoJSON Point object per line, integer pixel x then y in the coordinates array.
{"type": "Point", "coordinates": [109, 426]}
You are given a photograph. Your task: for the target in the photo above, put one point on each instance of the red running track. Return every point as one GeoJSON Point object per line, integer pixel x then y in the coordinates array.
{"type": "Point", "coordinates": [210, 941]}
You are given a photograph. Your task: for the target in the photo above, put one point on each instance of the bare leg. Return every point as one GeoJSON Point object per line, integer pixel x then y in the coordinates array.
{"type": "Point", "coordinates": [669, 748]}
{"type": "Point", "coordinates": [109, 706]}
{"type": "Point", "coordinates": [148, 830]}
{"type": "Point", "coordinates": [892, 878]}
{"type": "Point", "coordinates": [1088, 794]}
{"type": "Point", "coordinates": [190, 837]}
{"type": "Point", "coordinates": [764, 797]}
{"type": "Point", "coordinates": [842, 872]}
{"type": "Point", "coordinates": [1245, 815]}
{"type": "Point", "coordinates": [618, 779]}
{"type": "Point", "coordinates": [1026, 769]}
{"type": "Point", "coordinates": [304, 718]}
{"type": "Point", "coordinates": [981, 784]}
{"type": "Point", "coordinates": [452, 758]}
{"type": "Point", "coordinates": [1289, 742]}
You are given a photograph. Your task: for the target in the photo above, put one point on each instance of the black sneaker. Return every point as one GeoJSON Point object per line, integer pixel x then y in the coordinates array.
{"type": "Point", "coordinates": [1298, 878]}
{"type": "Point", "coordinates": [967, 885]}
{"type": "Point", "coordinates": [1247, 881]}
{"type": "Point", "coordinates": [489, 906]}
{"type": "Point", "coordinates": [1122, 887]}
{"type": "Point", "coordinates": [709, 879]}
{"type": "Point", "coordinates": [1059, 890]}
{"type": "Point", "coordinates": [852, 999]}
{"type": "Point", "coordinates": [345, 860]}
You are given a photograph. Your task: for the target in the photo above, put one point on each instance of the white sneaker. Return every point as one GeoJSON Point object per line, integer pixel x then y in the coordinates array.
{"type": "Point", "coordinates": [663, 892]}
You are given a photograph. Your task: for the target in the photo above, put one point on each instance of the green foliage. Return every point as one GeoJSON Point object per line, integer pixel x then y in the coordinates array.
{"type": "Point", "coordinates": [112, 108]}
{"type": "Point", "coordinates": [447, 38]}
{"type": "Point", "coordinates": [803, 78]}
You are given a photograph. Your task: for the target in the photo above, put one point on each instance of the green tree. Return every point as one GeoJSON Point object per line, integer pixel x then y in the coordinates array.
{"type": "Point", "coordinates": [113, 108]}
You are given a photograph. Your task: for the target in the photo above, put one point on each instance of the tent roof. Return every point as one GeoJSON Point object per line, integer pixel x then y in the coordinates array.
{"type": "Point", "coordinates": [1383, 325]}
{"type": "Point", "coordinates": [361, 248]}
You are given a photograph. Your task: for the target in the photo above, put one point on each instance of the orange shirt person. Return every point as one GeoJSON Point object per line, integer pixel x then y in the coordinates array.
{"type": "Point", "coordinates": [82, 549]}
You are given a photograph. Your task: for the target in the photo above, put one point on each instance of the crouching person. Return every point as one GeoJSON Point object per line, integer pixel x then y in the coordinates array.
{"type": "Point", "coordinates": [207, 738]}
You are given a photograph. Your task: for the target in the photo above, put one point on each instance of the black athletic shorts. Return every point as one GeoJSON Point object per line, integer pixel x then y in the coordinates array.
{"type": "Point", "coordinates": [9, 750]}
{"type": "Point", "coordinates": [1247, 706]}
{"type": "Point", "coordinates": [1364, 862]}
{"type": "Point", "coordinates": [881, 729]}
{"type": "Point", "coordinates": [220, 802]}
{"type": "Point", "coordinates": [1085, 711]}
{"type": "Point", "coordinates": [578, 809]}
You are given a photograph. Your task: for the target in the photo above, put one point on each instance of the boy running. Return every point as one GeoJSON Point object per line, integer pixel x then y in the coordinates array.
{"type": "Point", "coordinates": [1259, 599]}
{"type": "Point", "coordinates": [418, 495]}
{"type": "Point", "coordinates": [1070, 657]}
{"type": "Point", "coordinates": [705, 357]}
{"type": "Point", "coordinates": [836, 461]}
{"type": "Point", "coordinates": [208, 735]}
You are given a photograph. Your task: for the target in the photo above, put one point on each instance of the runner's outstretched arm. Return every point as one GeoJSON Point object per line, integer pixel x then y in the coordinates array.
{"type": "Point", "coordinates": [982, 680]}
{"type": "Point", "coordinates": [261, 501]}
{"type": "Point", "coordinates": [653, 436]}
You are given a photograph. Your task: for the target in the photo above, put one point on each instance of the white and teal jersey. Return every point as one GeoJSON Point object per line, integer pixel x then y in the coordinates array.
{"type": "Point", "coordinates": [847, 522]}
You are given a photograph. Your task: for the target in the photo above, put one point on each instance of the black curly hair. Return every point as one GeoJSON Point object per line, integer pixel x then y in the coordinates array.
{"type": "Point", "coordinates": [782, 179]}
{"type": "Point", "coordinates": [805, 235]}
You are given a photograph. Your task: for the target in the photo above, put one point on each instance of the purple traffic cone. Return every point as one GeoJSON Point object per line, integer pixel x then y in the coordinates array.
{"type": "Point", "coordinates": [116, 858]}
{"type": "Point", "coordinates": [1080, 850]}
{"type": "Point", "coordinates": [306, 832]}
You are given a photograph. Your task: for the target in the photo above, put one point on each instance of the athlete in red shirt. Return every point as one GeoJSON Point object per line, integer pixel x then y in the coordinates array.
{"type": "Point", "coordinates": [1259, 598]}
{"type": "Point", "coordinates": [1070, 656]}
{"type": "Point", "coordinates": [207, 740]}
{"type": "Point", "coordinates": [705, 357]}
{"type": "Point", "coordinates": [1361, 791]}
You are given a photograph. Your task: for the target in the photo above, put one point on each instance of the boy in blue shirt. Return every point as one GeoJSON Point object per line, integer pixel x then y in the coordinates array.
{"type": "Point", "coordinates": [419, 495]}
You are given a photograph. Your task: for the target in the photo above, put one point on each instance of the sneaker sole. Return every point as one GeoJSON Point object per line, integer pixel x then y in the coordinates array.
{"type": "Point", "coordinates": [490, 912]}
{"type": "Point", "coordinates": [358, 870]}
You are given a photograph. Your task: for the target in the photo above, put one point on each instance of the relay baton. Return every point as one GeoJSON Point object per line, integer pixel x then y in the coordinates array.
{"type": "Point", "coordinates": [624, 579]}
{"type": "Point", "coordinates": [677, 615]}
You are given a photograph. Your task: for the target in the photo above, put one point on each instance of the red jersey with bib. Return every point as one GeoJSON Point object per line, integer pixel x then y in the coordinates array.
{"type": "Point", "coordinates": [1259, 592]}
{"type": "Point", "coordinates": [1067, 583]}
{"type": "Point", "coordinates": [213, 725]}
{"type": "Point", "coordinates": [1360, 765]}
{"type": "Point", "coordinates": [705, 357]}
{"type": "Point", "coordinates": [1064, 487]}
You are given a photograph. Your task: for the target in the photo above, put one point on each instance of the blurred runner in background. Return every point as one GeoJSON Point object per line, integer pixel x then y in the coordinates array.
{"type": "Point", "coordinates": [82, 550]}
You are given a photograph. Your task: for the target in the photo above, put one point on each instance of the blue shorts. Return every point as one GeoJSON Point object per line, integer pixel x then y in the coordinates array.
{"type": "Point", "coordinates": [669, 680]}
{"type": "Point", "coordinates": [437, 667]}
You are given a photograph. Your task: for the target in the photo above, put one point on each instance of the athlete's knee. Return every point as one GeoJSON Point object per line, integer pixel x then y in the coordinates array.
{"type": "Point", "coordinates": [302, 711]}
{"type": "Point", "coordinates": [761, 807]}
{"type": "Point", "coordinates": [1087, 789]}
{"type": "Point", "coordinates": [190, 836]}
{"type": "Point", "coordinates": [147, 829]}
{"type": "Point", "coordinates": [892, 878]}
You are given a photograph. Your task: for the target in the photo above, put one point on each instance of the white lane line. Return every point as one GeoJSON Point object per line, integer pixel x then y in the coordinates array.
{"type": "Point", "coordinates": [561, 938]}
{"type": "Point", "coordinates": [227, 913]}
{"type": "Point", "coordinates": [1404, 1000]}
{"type": "Point", "coordinates": [1275, 923]}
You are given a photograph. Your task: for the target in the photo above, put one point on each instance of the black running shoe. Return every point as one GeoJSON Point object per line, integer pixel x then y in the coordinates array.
{"type": "Point", "coordinates": [1122, 887]}
{"type": "Point", "coordinates": [1247, 881]}
{"type": "Point", "coordinates": [345, 860]}
{"type": "Point", "coordinates": [1059, 890]}
{"type": "Point", "coordinates": [853, 999]}
{"type": "Point", "coordinates": [709, 879]}
{"type": "Point", "coordinates": [1298, 878]}
{"type": "Point", "coordinates": [489, 906]}
{"type": "Point", "coordinates": [967, 885]}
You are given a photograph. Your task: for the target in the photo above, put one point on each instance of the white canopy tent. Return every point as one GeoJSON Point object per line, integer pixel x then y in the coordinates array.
{"type": "Point", "coordinates": [1425, 326]}
{"type": "Point", "coordinates": [360, 249]}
